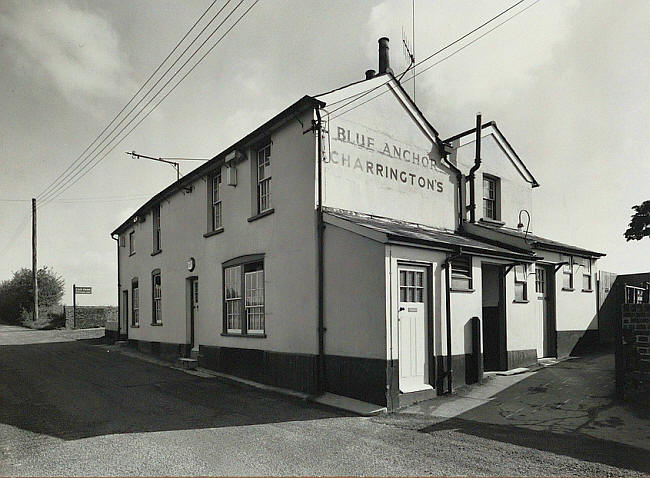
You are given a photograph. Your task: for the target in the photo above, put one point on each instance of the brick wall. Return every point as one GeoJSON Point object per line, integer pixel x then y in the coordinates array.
{"type": "Point", "coordinates": [633, 353]}
{"type": "Point", "coordinates": [90, 316]}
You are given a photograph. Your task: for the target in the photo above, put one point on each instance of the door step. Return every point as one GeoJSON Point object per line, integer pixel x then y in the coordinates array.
{"type": "Point", "coordinates": [188, 363]}
{"type": "Point", "coordinates": [194, 354]}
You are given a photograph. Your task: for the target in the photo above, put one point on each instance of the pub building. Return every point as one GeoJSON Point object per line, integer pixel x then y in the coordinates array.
{"type": "Point", "coordinates": [346, 247]}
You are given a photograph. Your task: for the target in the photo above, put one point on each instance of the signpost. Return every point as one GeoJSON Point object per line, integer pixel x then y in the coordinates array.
{"type": "Point", "coordinates": [77, 290]}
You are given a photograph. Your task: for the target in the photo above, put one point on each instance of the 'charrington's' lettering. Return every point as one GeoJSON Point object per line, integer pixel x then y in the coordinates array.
{"type": "Point", "coordinates": [387, 172]}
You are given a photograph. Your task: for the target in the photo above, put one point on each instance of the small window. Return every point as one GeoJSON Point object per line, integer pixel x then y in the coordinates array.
{"type": "Point", "coordinates": [157, 299]}
{"type": "Point", "coordinates": [131, 242]}
{"type": "Point", "coordinates": [411, 286]}
{"type": "Point", "coordinates": [216, 217]}
{"type": "Point", "coordinates": [122, 240]}
{"type": "Point", "coordinates": [264, 179]}
{"type": "Point", "coordinates": [521, 283]}
{"type": "Point", "coordinates": [135, 303]}
{"type": "Point", "coordinates": [244, 311]}
{"type": "Point", "coordinates": [586, 275]}
{"type": "Point", "coordinates": [490, 198]}
{"type": "Point", "coordinates": [540, 280]}
{"type": "Point", "coordinates": [461, 273]}
{"type": "Point", "coordinates": [567, 272]}
{"type": "Point", "coordinates": [156, 228]}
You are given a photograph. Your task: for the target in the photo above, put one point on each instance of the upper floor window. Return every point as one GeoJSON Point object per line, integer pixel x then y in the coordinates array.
{"type": "Point", "coordinates": [521, 283]}
{"type": "Point", "coordinates": [216, 218]}
{"type": "Point", "coordinates": [586, 274]}
{"type": "Point", "coordinates": [131, 242]}
{"type": "Point", "coordinates": [491, 198]}
{"type": "Point", "coordinates": [156, 228]}
{"type": "Point", "coordinates": [156, 318]}
{"type": "Point", "coordinates": [567, 272]}
{"type": "Point", "coordinates": [135, 303]}
{"type": "Point", "coordinates": [461, 273]}
{"type": "Point", "coordinates": [244, 297]}
{"type": "Point", "coordinates": [264, 179]}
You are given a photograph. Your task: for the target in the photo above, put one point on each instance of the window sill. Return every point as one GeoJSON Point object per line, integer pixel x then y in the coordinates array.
{"type": "Point", "coordinates": [134, 326]}
{"type": "Point", "coordinates": [493, 222]}
{"type": "Point", "coordinates": [587, 290]}
{"type": "Point", "coordinates": [159, 324]}
{"type": "Point", "coordinates": [261, 215]}
{"type": "Point", "coordinates": [155, 253]}
{"type": "Point", "coordinates": [568, 289]}
{"type": "Point", "coordinates": [213, 233]}
{"type": "Point", "coordinates": [519, 301]}
{"type": "Point", "coordinates": [461, 290]}
{"type": "Point", "coordinates": [249, 336]}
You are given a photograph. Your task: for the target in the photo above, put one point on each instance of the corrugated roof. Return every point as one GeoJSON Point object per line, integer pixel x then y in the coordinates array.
{"type": "Point", "coordinates": [539, 242]}
{"type": "Point", "coordinates": [403, 231]}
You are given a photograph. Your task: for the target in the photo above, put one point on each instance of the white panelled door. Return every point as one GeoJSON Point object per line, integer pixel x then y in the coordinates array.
{"type": "Point", "coordinates": [413, 363]}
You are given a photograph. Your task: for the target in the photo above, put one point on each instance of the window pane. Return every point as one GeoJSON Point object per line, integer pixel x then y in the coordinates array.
{"type": "Point", "coordinates": [402, 294]}
{"type": "Point", "coordinates": [410, 294]}
{"type": "Point", "coordinates": [402, 277]}
{"type": "Point", "coordinates": [418, 278]}
{"type": "Point", "coordinates": [520, 291]}
{"type": "Point", "coordinates": [418, 295]}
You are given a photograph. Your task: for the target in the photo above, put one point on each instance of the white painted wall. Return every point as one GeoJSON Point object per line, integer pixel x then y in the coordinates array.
{"type": "Point", "coordinates": [287, 237]}
{"type": "Point", "coordinates": [576, 309]}
{"type": "Point", "coordinates": [516, 193]}
{"type": "Point", "coordinates": [384, 133]}
{"type": "Point", "coordinates": [355, 295]}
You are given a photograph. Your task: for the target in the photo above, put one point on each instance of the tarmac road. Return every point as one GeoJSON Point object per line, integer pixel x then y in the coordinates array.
{"type": "Point", "coordinates": [74, 408]}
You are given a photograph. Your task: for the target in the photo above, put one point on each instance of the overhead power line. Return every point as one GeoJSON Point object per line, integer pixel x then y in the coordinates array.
{"type": "Point", "coordinates": [436, 63]}
{"type": "Point", "coordinates": [73, 178]}
{"type": "Point", "coordinates": [358, 96]}
{"type": "Point", "coordinates": [128, 103]}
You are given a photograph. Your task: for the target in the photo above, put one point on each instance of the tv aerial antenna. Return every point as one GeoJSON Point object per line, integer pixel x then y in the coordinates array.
{"type": "Point", "coordinates": [408, 47]}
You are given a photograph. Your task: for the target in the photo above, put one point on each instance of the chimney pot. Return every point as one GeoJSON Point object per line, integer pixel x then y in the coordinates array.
{"type": "Point", "coordinates": [384, 60]}
{"type": "Point", "coordinates": [370, 74]}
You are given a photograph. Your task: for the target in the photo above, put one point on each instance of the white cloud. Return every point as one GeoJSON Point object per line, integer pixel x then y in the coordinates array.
{"type": "Point", "coordinates": [78, 50]}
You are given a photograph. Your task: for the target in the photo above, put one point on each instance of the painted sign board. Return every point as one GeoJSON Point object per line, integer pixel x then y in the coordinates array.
{"type": "Point", "coordinates": [384, 165]}
{"type": "Point", "coordinates": [83, 290]}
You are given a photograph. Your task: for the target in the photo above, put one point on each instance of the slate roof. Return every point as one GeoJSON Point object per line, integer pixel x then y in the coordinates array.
{"type": "Point", "coordinates": [539, 242]}
{"type": "Point", "coordinates": [403, 231]}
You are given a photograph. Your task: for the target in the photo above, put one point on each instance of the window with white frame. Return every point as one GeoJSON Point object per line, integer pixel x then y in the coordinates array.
{"type": "Point", "coordinates": [135, 303]}
{"type": "Point", "coordinates": [244, 311]}
{"type": "Point", "coordinates": [217, 218]}
{"type": "Point", "coordinates": [521, 283]}
{"type": "Point", "coordinates": [461, 273]}
{"type": "Point", "coordinates": [232, 294]}
{"type": "Point", "coordinates": [131, 242]}
{"type": "Point", "coordinates": [156, 228]}
{"type": "Point", "coordinates": [586, 275]}
{"type": "Point", "coordinates": [411, 286]}
{"type": "Point", "coordinates": [567, 272]}
{"type": "Point", "coordinates": [264, 179]}
{"type": "Point", "coordinates": [490, 197]}
{"type": "Point", "coordinates": [540, 280]}
{"type": "Point", "coordinates": [157, 298]}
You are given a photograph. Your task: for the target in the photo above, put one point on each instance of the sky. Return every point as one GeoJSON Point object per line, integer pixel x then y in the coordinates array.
{"type": "Point", "coordinates": [566, 81]}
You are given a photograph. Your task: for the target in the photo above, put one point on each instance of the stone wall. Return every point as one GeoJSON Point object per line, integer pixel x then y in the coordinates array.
{"type": "Point", "coordinates": [89, 316]}
{"type": "Point", "coordinates": [633, 354]}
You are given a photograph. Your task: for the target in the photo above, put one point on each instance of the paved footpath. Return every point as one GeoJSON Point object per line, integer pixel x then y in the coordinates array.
{"type": "Point", "coordinates": [74, 407]}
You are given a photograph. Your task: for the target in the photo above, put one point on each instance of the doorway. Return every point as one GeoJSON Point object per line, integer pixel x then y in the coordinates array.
{"type": "Point", "coordinates": [194, 314]}
{"type": "Point", "coordinates": [414, 359]}
{"type": "Point", "coordinates": [545, 285]}
{"type": "Point", "coordinates": [495, 354]}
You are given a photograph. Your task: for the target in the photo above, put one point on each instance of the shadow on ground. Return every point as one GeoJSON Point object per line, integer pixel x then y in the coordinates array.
{"type": "Point", "coordinates": [557, 410]}
{"type": "Point", "coordinates": [73, 390]}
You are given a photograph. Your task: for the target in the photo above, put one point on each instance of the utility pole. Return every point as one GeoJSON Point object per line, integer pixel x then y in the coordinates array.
{"type": "Point", "coordinates": [34, 261]}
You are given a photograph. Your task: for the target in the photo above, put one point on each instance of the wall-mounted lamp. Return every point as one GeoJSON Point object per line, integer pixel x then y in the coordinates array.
{"type": "Point", "coordinates": [520, 226]}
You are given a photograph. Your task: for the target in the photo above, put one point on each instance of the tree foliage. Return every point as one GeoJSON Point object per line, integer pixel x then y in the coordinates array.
{"type": "Point", "coordinates": [16, 294]}
{"type": "Point", "coordinates": [640, 224]}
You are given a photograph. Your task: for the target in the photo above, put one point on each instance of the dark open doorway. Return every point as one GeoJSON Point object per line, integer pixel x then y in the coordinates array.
{"type": "Point", "coordinates": [545, 284]}
{"type": "Point", "coordinates": [495, 355]}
